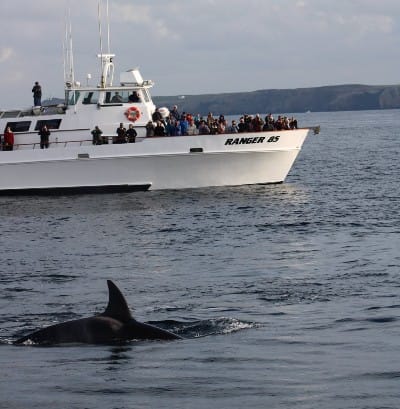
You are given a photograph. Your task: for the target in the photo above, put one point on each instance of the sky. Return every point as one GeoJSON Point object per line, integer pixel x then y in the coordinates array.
{"type": "Point", "coordinates": [201, 47]}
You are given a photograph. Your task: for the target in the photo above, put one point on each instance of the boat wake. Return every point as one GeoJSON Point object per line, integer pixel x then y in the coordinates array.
{"type": "Point", "coordinates": [204, 328]}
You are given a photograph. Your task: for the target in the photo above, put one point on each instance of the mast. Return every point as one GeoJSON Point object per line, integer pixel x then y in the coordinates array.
{"type": "Point", "coordinates": [69, 72]}
{"type": "Point", "coordinates": [106, 60]}
{"type": "Point", "coordinates": [102, 80]}
{"type": "Point", "coordinates": [108, 29]}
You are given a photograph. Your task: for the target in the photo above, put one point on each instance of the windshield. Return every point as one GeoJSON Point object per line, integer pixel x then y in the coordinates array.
{"type": "Point", "coordinates": [72, 97]}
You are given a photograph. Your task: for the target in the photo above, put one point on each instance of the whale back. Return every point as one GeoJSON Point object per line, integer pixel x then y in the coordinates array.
{"type": "Point", "coordinates": [115, 324]}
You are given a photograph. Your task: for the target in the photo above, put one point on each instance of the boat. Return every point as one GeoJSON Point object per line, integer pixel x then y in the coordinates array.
{"type": "Point", "coordinates": [73, 163]}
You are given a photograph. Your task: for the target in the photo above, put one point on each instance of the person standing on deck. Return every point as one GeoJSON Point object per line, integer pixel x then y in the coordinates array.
{"type": "Point", "coordinates": [131, 134]}
{"type": "Point", "coordinates": [44, 137]}
{"type": "Point", "coordinates": [8, 140]}
{"type": "Point", "coordinates": [96, 134]}
{"type": "Point", "coordinates": [37, 95]}
{"type": "Point", "coordinates": [121, 134]}
{"type": "Point", "coordinates": [174, 113]}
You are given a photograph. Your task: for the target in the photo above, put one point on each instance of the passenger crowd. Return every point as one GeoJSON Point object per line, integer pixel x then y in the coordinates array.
{"type": "Point", "coordinates": [177, 124]}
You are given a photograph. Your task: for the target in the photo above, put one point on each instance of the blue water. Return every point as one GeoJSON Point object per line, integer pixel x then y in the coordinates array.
{"type": "Point", "coordinates": [288, 295]}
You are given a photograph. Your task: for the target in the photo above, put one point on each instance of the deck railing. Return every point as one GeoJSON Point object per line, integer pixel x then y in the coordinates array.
{"type": "Point", "coordinates": [64, 144]}
{"type": "Point", "coordinates": [111, 138]}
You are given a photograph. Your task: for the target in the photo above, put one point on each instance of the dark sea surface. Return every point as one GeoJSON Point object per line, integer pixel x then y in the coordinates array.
{"type": "Point", "coordinates": [288, 295]}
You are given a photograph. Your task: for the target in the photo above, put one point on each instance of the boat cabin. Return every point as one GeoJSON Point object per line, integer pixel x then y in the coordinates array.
{"type": "Point", "coordinates": [85, 107]}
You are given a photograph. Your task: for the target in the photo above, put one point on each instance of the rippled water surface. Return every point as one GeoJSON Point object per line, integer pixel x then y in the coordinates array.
{"type": "Point", "coordinates": [287, 295]}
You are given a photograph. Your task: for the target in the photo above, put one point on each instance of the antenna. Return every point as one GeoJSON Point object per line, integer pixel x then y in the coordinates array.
{"type": "Point", "coordinates": [65, 39]}
{"type": "Point", "coordinates": [69, 69]}
{"type": "Point", "coordinates": [102, 81]}
{"type": "Point", "coordinates": [107, 65]}
{"type": "Point", "coordinates": [69, 72]}
{"type": "Point", "coordinates": [108, 29]}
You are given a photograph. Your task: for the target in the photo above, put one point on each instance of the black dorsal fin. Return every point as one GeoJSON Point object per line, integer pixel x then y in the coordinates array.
{"type": "Point", "coordinates": [117, 306]}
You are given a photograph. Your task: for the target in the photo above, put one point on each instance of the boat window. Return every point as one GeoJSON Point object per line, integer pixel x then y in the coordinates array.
{"type": "Point", "coordinates": [21, 126]}
{"type": "Point", "coordinates": [50, 123]}
{"type": "Point", "coordinates": [134, 96]}
{"type": "Point", "coordinates": [90, 97]}
{"type": "Point", "coordinates": [73, 97]}
{"type": "Point", "coordinates": [117, 97]}
{"type": "Point", "coordinates": [146, 95]}
{"type": "Point", "coordinates": [125, 96]}
{"type": "Point", "coordinates": [11, 114]}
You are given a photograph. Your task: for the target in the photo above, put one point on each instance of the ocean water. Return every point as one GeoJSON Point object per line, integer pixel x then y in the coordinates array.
{"type": "Point", "coordinates": [288, 296]}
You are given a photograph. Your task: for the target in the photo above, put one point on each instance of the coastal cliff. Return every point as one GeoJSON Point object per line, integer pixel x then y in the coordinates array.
{"type": "Point", "coordinates": [321, 99]}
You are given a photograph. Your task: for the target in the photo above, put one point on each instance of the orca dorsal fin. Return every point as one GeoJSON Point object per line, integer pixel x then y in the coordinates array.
{"type": "Point", "coordinates": [117, 307]}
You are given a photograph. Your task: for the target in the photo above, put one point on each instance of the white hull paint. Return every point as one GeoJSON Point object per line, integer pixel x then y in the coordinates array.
{"type": "Point", "coordinates": [155, 163]}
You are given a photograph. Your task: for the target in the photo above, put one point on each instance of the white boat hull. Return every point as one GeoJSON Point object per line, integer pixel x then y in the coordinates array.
{"type": "Point", "coordinates": [81, 156]}
{"type": "Point", "coordinates": [154, 163]}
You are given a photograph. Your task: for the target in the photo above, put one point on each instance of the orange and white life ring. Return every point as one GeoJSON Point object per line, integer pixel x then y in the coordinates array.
{"type": "Point", "coordinates": [132, 114]}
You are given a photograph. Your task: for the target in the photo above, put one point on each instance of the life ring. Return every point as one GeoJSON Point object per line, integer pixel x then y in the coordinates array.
{"type": "Point", "coordinates": [132, 114]}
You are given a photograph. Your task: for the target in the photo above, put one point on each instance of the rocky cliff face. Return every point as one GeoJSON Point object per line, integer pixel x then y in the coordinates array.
{"type": "Point", "coordinates": [390, 97]}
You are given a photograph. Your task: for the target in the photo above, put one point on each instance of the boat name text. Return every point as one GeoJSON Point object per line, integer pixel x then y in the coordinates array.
{"type": "Point", "coordinates": [246, 141]}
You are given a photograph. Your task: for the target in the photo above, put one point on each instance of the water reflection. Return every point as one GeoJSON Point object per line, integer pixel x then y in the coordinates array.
{"type": "Point", "coordinates": [118, 355]}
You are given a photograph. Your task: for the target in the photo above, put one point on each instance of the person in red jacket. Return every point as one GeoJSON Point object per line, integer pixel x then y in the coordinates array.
{"type": "Point", "coordinates": [8, 139]}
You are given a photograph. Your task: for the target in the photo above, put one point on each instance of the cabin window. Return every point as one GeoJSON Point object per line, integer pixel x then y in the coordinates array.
{"type": "Point", "coordinates": [134, 96]}
{"type": "Point", "coordinates": [21, 126]}
{"type": "Point", "coordinates": [73, 97]}
{"type": "Point", "coordinates": [50, 123]}
{"type": "Point", "coordinates": [10, 114]}
{"type": "Point", "coordinates": [117, 97]}
{"type": "Point", "coordinates": [90, 97]}
{"type": "Point", "coordinates": [146, 95]}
